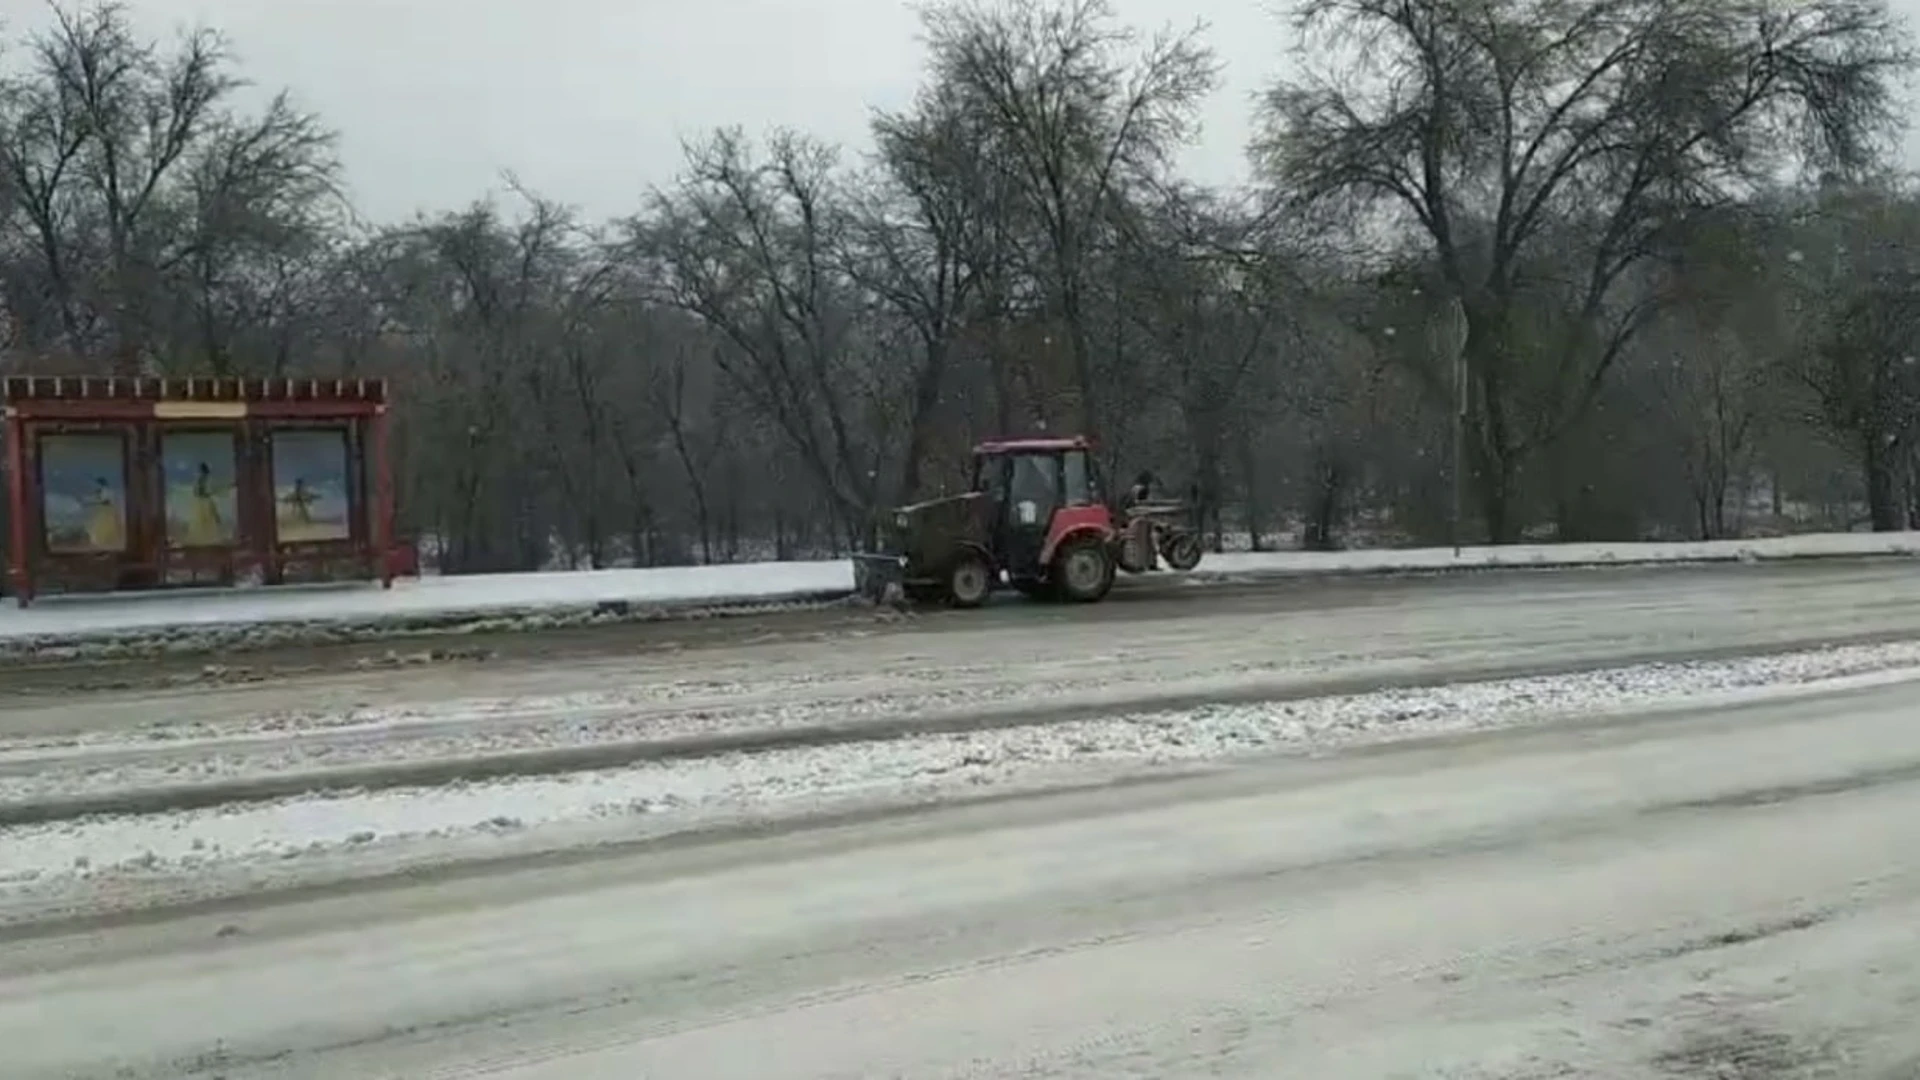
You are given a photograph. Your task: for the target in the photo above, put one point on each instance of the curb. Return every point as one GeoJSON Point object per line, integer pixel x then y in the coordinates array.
{"type": "Point", "coordinates": [548, 762]}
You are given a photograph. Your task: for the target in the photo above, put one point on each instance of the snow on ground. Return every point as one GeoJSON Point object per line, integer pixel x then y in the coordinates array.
{"type": "Point", "coordinates": [173, 754]}
{"type": "Point", "coordinates": [195, 617]}
{"type": "Point", "coordinates": [1812, 545]}
{"type": "Point", "coordinates": [88, 860]}
{"type": "Point", "coordinates": [425, 599]}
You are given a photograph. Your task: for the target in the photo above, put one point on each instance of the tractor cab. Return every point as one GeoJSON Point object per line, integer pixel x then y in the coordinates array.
{"type": "Point", "coordinates": [1038, 493]}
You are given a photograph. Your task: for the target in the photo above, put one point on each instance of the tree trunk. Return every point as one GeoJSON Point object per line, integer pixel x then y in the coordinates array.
{"type": "Point", "coordinates": [1717, 488]}
{"type": "Point", "coordinates": [1495, 487]}
{"type": "Point", "coordinates": [1083, 373]}
{"type": "Point", "coordinates": [697, 487]}
{"type": "Point", "coordinates": [638, 553]}
{"type": "Point", "coordinates": [1913, 486]}
{"type": "Point", "coordinates": [1493, 452]}
{"type": "Point", "coordinates": [1250, 471]}
{"type": "Point", "coordinates": [926, 403]}
{"type": "Point", "coordinates": [1000, 371]}
{"type": "Point", "coordinates": [1323, 514]}
{"type": "Point", "coordinates": [1206, 512]}
{"type": "Point", "coordinates": [730, 528]}
{"type": "Point", "coordinates": [1883, 503]}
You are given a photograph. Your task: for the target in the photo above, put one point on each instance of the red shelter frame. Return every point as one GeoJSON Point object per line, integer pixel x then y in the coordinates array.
{"type": "Point", "coordinates": [142, 413]}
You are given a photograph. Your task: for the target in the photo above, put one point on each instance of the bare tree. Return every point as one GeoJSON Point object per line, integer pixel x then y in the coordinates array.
{"type": "Point", "coordinates": [751, 248]}
{"type": "Point", "coordinates": [260, 208]}
{"type": "Point", "coordinates": [133, 179]}
{"type": "Point", "coordinates": [1546, 149]}
{"type": "Point", "coordinates": [1712, 359]}
{"type": "Point", "coordinates": [1856, 270]}
{"type": "Point", "coordinates": [1077, 108]}
{"type": "Point", "coordinates": [1219, 309]}
{"type": "Point", "coordinates": [697, 439]}
{"type": "Point", "coordinates": [930, 243]}
{"type": "Point", "coordinates": [485, 298]}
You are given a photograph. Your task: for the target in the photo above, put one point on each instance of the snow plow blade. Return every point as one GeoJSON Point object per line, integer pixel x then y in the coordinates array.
{"type": "Point", "coordinates": [879, 578]}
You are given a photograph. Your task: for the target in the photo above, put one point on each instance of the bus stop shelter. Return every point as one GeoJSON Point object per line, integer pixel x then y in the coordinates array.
{"type": "Point", "coordinates": [121, 483]}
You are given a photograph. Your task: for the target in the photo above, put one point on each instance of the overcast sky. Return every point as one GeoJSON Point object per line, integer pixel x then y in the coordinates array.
{"type": "Point", "coordinates": [587, 100]}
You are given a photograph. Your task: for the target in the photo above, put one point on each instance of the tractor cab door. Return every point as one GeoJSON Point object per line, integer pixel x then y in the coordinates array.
{"type": "Point", "coordinates": [1083, 480]}
{"type": "Point", "coordinates": [1026, 516]}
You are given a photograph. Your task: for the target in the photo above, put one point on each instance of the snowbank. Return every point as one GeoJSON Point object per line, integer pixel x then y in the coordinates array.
{"type": "Point", "coordinates": [1388, 560]}
{"type": "Point", "coordinates": [86, 861]}
{"type": "Point", "coordinates": [192, 621]}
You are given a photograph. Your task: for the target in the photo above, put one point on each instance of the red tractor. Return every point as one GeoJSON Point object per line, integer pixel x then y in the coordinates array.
{"type": "Point", "coordinates": [1035, 517]}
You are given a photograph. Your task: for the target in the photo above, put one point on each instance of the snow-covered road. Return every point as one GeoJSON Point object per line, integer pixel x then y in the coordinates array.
{"type": "Point", "coordinates": [1725, 893]}
{"type": "Point", "coordinates": [1187, 647]}
{"type": "Point", "coordinates": [101, 862]}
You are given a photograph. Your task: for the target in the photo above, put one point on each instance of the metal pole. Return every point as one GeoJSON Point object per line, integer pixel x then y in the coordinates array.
{"type": "Point", "coordinates": [1459, 444]}
{"type": "Point", "coordinates": [1459, 343]}
{"type": "Point", "coordinates": [17, 488]}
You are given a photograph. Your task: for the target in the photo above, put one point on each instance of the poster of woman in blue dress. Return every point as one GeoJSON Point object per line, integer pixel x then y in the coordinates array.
{"type": "Point", "coordinates": [83, 491]}
{"type": "Point", "coordinates": [310, 491]}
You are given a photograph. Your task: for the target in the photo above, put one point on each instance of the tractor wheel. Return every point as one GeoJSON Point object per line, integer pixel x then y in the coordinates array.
{"type": "Point", "coordinates": [969, 582]}
{"type": "Point", "coordinates": [1182, 551]}
{"type": "Point", "coordinates": [1083, 572]}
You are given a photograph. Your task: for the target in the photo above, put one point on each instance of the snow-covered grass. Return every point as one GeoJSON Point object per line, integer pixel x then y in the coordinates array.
{"type": "Point", "coordinates": [427, 597]}
{"type": "Point", "coordinates": [88, 860]}
{"type": "Point", "coordinates": [209, 620]}
{"type": "Point", "coordinates": [112, 626]}
{"type": "Point", "coordinates": [1380, 560]}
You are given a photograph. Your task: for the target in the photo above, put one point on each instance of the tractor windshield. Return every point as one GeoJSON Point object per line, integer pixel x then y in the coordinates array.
{"type": "Point", "coordinates": [1036, 480]}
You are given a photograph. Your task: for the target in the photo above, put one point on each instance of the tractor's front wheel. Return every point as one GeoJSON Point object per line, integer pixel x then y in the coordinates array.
{"type": "Point", "coordinates": [1083, 572]}
{"type": "Point", "coordinates": [969, 581]}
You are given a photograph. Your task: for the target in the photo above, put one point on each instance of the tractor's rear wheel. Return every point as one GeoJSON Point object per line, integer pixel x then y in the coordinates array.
{"type": "Point", "coordinates": [1083, 572]}
{"type": "Point", "coordinates": [969, 581]}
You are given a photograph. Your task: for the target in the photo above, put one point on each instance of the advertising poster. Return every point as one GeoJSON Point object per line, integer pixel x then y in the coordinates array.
{"type": "Point", "coordinates": [84, 493]}
{"type": "Point", "coordinates": [198, 470]}
{"type": "Point", "coordinates": [310, 489]}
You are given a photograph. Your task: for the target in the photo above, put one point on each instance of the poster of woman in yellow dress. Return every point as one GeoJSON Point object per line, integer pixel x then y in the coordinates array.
{"type": "Point", "coordinates": [202, 510]}
{"type": "Point", "coordinates": [310, 492]}
{"type": "Point", "coordinates": [83, 489]}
